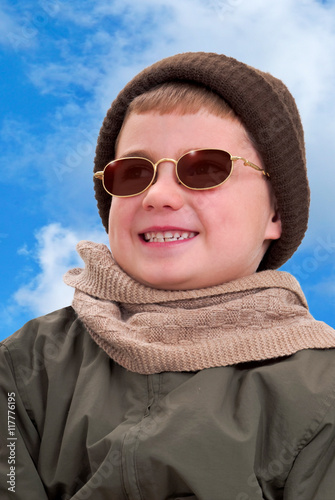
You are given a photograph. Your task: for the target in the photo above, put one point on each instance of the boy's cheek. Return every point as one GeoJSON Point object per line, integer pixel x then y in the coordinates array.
{"type": "Point", "coordinates": [121, 223]}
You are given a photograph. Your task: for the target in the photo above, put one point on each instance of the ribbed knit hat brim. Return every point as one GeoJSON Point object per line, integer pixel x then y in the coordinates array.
{"type": "Point", "coordinates": [265, 107]}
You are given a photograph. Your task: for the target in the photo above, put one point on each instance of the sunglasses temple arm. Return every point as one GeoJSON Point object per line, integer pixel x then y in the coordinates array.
{"type": "Point", "coordinates": [98, 175]}
{"type": "Point", "coordinates": [256, 167]}
{"type": "Point", "coordinates": [248, 163]}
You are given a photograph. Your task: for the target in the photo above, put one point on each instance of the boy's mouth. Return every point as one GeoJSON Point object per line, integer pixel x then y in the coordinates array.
{"type": "Point", "coordinates": [167, 236]}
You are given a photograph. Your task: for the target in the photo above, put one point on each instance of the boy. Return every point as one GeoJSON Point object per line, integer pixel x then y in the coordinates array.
{"type": "Point", "coordinates": [187, 367]}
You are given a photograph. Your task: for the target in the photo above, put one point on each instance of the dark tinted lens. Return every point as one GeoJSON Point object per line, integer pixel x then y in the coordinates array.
{"type": "Point", "coordinates": [128, 176]}
{"type": "Point", "coordinates": [204, 169]}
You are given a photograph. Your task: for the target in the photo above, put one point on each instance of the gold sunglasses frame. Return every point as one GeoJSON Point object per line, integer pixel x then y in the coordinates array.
{"type": "Point", "coordinates": [247, 163]}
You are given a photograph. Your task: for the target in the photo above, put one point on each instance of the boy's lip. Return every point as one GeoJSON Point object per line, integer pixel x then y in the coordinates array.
{"type": "Point", "coordinates": [162, 229]}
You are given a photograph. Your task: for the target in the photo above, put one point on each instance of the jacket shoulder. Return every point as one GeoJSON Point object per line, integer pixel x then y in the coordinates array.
{"type": "Point", "coordinates": [40, 327]}
{"type": "Point", "coordinates": [48, 350]}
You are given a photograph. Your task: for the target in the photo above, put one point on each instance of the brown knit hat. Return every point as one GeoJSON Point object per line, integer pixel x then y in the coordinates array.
{"type": "Point", "coordinates": [269, 113]}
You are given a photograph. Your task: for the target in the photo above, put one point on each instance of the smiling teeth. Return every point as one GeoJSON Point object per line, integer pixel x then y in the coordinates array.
{"type": "Point", "coordinates": [166, 236]}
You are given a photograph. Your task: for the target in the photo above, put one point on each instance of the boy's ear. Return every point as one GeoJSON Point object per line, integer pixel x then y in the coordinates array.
{"type": "Point", "coordinates": [276, 216]}
{"type": "Point", "coordinates": [274, 229]}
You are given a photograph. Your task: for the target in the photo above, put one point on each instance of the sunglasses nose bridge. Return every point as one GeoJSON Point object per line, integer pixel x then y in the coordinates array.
{"type": "Point", "coordinates": [163, 160]}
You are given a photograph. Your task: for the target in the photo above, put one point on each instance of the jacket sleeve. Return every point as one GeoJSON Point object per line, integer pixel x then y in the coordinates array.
{"type": "Point", "coordinates": [19, 440]}
{"type": "Point", "coordinates": [312, 476]}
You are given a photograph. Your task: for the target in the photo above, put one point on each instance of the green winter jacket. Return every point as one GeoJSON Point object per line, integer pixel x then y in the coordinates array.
{"type": "Point", "coordinates": [75, 425]}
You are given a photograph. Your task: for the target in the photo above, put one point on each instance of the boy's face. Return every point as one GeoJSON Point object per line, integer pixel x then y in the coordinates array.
{"type": "Point", "coordinates": [228, 228]}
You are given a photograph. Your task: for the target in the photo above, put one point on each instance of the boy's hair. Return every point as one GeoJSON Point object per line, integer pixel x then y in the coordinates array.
{"type": "Point", "coordinates": [269, 114]}
{"type": "Point", "coordinates": [183, 97]}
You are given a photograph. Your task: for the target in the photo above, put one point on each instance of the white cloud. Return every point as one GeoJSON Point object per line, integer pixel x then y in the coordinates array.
{"type": "Point", "coordinates": [57, 79]}
{"type": "Point", "coordinates": [55, 254]}
{"type": "Point", "coordinates": [16, 30]}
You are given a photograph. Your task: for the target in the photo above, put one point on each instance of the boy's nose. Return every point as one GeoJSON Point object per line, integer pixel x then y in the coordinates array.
{"type": "Point", "coordinates": [166, 191]}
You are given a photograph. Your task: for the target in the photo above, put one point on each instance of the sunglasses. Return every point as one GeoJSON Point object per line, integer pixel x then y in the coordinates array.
{"type": "Point", "coordinates": [199, 169]}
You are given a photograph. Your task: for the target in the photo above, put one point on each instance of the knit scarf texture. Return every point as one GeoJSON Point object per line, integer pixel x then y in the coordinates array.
{"type": "Point", "coordinates": [146, 330]}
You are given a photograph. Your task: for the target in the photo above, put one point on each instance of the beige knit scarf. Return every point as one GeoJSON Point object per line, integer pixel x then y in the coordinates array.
{"type": "Point", "coordinates": [147, 331]}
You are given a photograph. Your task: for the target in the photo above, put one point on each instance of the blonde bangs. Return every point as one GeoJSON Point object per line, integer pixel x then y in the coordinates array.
{"type": "Point", "coordinates": [183, 98]}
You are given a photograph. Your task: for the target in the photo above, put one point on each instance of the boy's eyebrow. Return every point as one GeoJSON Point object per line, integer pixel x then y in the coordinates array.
{"type": "Point", "coordinates": [151, 156]}
{"type": "Point", "coordinates": [138, 153]}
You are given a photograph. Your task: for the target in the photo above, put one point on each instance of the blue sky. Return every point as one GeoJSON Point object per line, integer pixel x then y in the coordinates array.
{"type": "Point", "coordinates": [62, 63]}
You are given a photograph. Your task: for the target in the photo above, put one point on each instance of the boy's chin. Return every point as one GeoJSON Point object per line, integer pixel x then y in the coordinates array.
{"type": "Point", "coordinates": [191, 283]}
{"type": "Point", "coordinates": [164, 281]}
